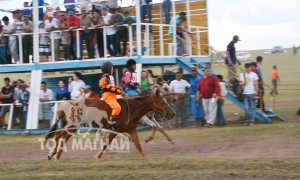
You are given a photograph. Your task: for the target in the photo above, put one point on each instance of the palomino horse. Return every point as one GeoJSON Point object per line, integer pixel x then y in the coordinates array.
{"type": "Point", "coordinates": [133, 109]}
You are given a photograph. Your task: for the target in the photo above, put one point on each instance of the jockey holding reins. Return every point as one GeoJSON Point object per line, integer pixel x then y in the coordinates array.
{"type": "Point", "coordinates": [110, 92]}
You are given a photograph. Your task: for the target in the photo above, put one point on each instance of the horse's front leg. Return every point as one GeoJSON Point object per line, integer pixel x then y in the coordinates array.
{"type": "Point", "coordinates": [136, 141]}
{"type": "Point", "coordinates": [161, 129]}
{"type": "Point", "coordinates": [148, 121]}
{"type": "Point", "coordinates": [111, 136]}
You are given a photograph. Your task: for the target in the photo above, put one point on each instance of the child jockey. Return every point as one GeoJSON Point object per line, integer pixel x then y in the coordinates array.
{"type": "Point", "coordinates": [130, 79]}
{"type": "Point", "coordinates": [110, 91]}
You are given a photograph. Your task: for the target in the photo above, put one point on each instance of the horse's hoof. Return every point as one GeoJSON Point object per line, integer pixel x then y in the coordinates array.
{"type": "Point", "coordinates": [49, 157]}
{"type": "Point", "coordinates": [172, 142]}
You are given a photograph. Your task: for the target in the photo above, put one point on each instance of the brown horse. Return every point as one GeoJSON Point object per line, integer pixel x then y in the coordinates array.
{"type": "Point", "coordinates": [133, 109]}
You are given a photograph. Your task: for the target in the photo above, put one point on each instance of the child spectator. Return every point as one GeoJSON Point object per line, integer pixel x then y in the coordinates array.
{"type": "Point", "coordinates": [221, 120]}
{"type": "Point", "coordinates": [44, 43]}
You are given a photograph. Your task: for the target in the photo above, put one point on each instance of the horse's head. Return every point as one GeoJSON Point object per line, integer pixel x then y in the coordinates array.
{"type": "Point", "coordinates": [161, 106]}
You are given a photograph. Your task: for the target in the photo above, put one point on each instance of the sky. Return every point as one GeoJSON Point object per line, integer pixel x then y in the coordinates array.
{"type": "Point", "coordinates": [260, 24]}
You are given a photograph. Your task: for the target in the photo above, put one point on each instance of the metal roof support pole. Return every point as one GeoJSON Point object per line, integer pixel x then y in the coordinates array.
{"type": "Point", "coordinates": [138, 40]}
{"type": "Point", "coordinates": [190, 52]}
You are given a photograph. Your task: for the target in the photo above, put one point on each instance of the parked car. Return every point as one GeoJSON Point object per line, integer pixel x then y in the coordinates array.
{"type": "Point", "coordinates": [277, 49]}
{"type": "Point", "coordinates": [243, 56]}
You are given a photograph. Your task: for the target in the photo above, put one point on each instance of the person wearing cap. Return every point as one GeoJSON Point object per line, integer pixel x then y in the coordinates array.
{"type": "Point", "coordinates": [73, 23]}
{"type": "Point", "coordinates": [146, 7]}
{"type": "Point", "coordinates": [110, 92]}
{"type": "Point", "coordinates": [85, 23]}
{"type": "Point", "coordinates": [9, 29]}
{"type": "Point", "coordinates": [208, 91]}
{"type": "Point", "coordinates": [197, 111]}
{"type": "Point", "coordinates": [24, 96]}
{"type": "Point", "coordinates": [130, 79]}
{"type": "Point", "coordinates": [110, 32]}
{"type": "Point", "coordinates": [3, 42]}
{"type": "Point", "coordinates": [231, 58]}
{"type": "Point", "coordinates": [25, 12]}
{"type": "Point", "coordinates": [27, 40]}
{"type": "Point", "coordinates": [249, 80]}
{"type": "Point", "coordinates": [52, 25]}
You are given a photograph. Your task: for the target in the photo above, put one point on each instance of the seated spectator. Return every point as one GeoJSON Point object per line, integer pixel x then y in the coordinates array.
{"type": "Point", "coordinates": [88, 35]}
{"type": "Point", "coordinates": [44, 43]}
{"type": "Point", "coordinates": [46, 94]}
{"type": "Point", "coordinates": [62, 93]}
{"type": "Point", "coordinates": [97, 22]}
{"type": "Point", "coordinates": [93, 94]}
{"type": "Point", "coordinates": [65, 35]}
{"type": "Point", "coordinates": [3, 42]}
{"type": "Point", "coordinates": [75, 85]}
{"type": "Point", "coordinates": [27, 39]}
{"type": "Point", "coordinates": [52, 25]}
{"type": "Point", "coordinates": [24, 95]}
{"type": "Point", "coordinates": [7, 93]}
{"type": "Point", "coordinates": [9, 29]}
{"type": "Point", "coordinates": [25, 12]}
{"type": "Point", "coordinates": [73, 22]}
{"type": "Point", "coordinates": [122, 32]}
{"type": "Point", "coordinates": [110, 32]}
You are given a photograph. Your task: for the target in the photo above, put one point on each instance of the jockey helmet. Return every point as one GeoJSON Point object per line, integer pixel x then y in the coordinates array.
{"type": "Point", "coordinates": [106, 67]}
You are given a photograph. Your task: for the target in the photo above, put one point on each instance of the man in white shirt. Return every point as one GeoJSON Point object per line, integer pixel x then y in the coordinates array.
{"type": "Point", "coordinates": [76, 85]}
{"type": "Point", "coordinates": [109, 31]}
{"type": "Point", "coordinates": [9, 28]}
{"type": "Point", "coordinates": [249, 80]}
{"type": "Point", "coordinates": [180, 88]}
{"type": "Point", "coordinates": [52, 25]}
{"type": "Point", "coordinates": [46, 94]}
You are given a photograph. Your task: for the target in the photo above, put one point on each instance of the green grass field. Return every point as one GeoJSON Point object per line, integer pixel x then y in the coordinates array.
{"type": "Point", "coordinates": [264, 151]}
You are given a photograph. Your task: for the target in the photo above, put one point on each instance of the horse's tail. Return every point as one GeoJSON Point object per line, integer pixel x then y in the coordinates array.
{"type": "Point", "coordinates": [51, 133]}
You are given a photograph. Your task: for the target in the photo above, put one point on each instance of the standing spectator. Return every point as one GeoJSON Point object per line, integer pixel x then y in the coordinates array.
{"type": "Point", "coordinates": [275, 80]}
{"type": "Point", "coordinates": [52, 25]}
{"type": "Point", "coordinates": [180, 29]}
{"type": "Point", "coordinates": [41, 10]}
{"type": "Point", "coordinates": [197, 111]}
{"type": "Point", "coordinates": [62, 92]}
{"type": "Point", "coordinates": [208, 90]}
{"type": "Point", "coordinates": [46, 94]}
{"type": "Point", "coordinates": [167, 8]}
{"type": "Point", "coordinates": [65, 35]}
{"type": "Point", "coordinates": [113, 5]}
{"type": "Point", "coordinates": [25, 12]}
{"type": "Point", "coordinates": [110, 32]}
{"type": "Point", "coordinates": [70, 7]}
{"type": "Point", "coordinates": [261, 103]}
{"type": "Point", "coordinates": [76, 85]}
{"type": "Point", "coordinates": [146, 10]}
{"type": "Point", "coordinates": [231, 58]}
{"type": "Point", "coordinates": [259, 61]}
{"type": "Point", "coordinates": [130, 20]}
{"type": "Point", "coordinates": [130, 79]}
{"type": "Point", "coordinates": [3, 42]}
{"type": "Point", "coordinates": [19, 26]}
{"type": "Point", "coordinates": [24, 99]}
{"type": "Point", "coordinates": [48, 9]}
{"type": "Point", "coordinates": [85, 23]}
{"type": "Point", "coordinates": [44, 43]}
{"type": "Point", "coordinates": [180, 87]}
{"type": "Point", "coordinates": [122, 32]}
{"type": "Point", "coordinates": [10, 29]}
{"type": "Point", "coordinates": [7, 97]}
{"type": "Point", "coordinates": [249, 80]}
{"type": "Point", "coordinates": [18, 108]}
{"type": "Point", "coordinates": [93, 94]}
{"type": "Point", "coordinates": [295, 50]}
{"type": "Point", "coordinates": [73, 22]}
{"type": "Point", "coordinates": [58, 13]}
{"type": "Point", "coordinates": [145, 81]}
{"type": "Point", "coordinates": [221, 120]}
{"type": "Point", "coordinates": [97, 20]}
{"type": "Point", "coordinates": [27, 39]}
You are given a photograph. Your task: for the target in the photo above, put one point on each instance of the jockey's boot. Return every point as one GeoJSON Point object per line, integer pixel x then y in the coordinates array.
{"type": "Point", "coordinates": [112, 122]}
